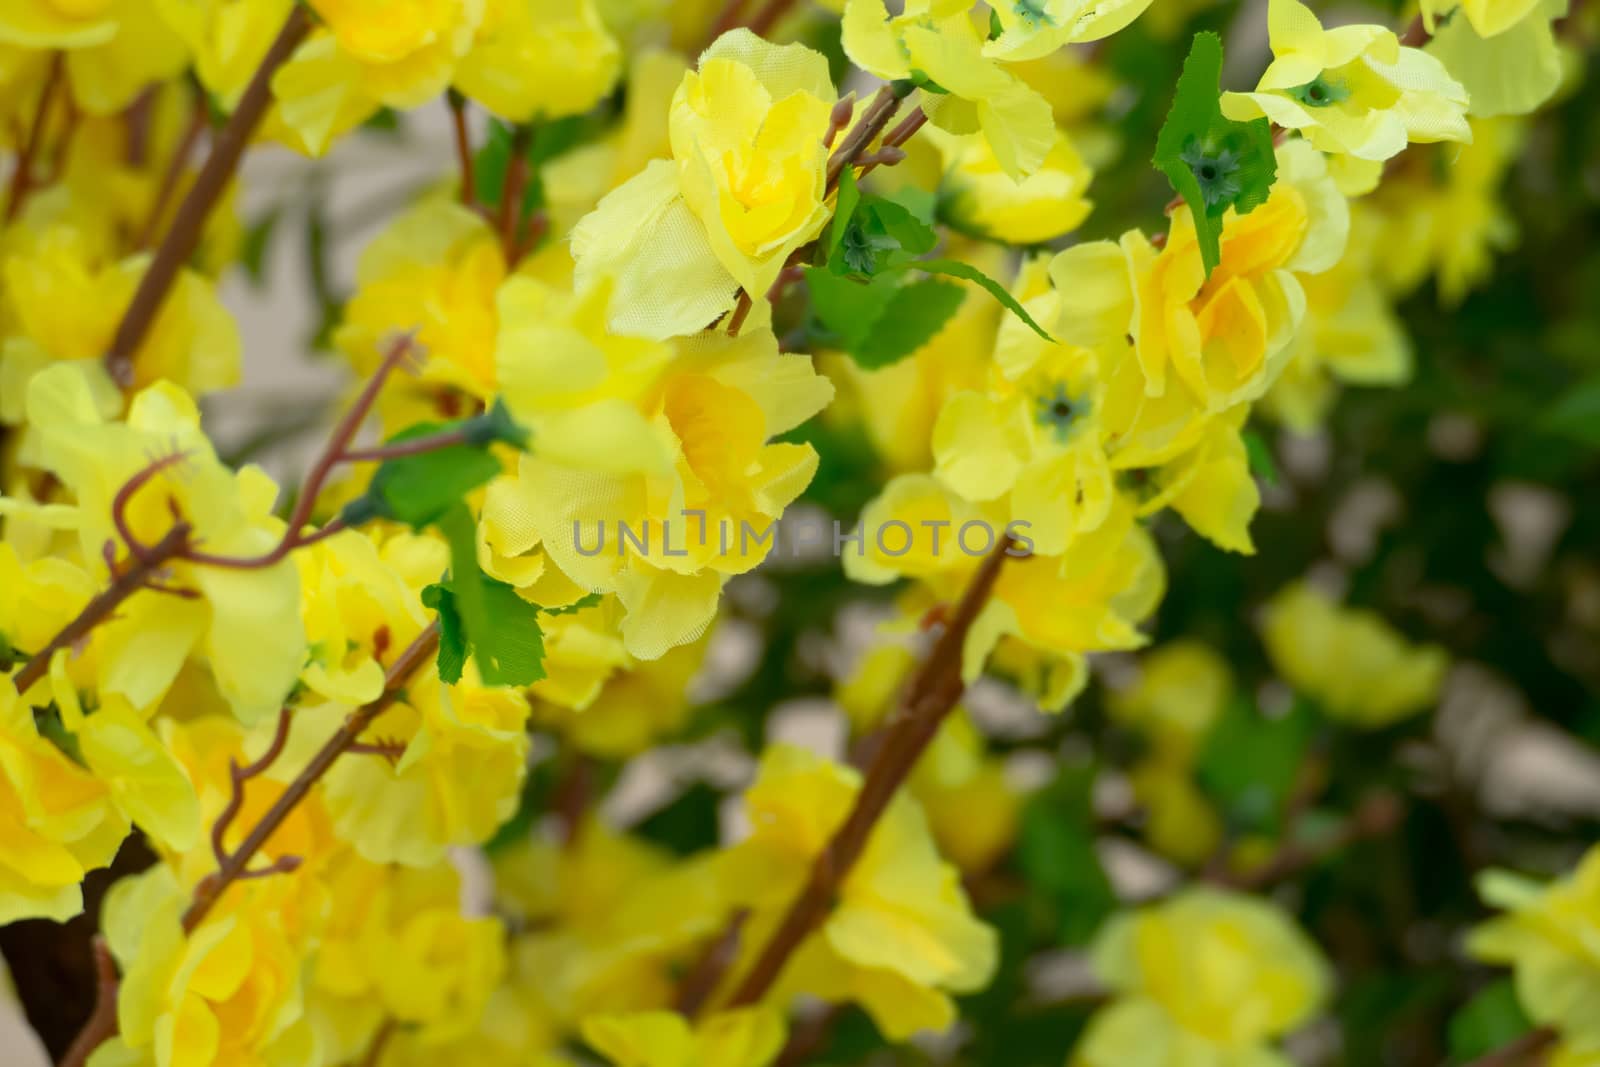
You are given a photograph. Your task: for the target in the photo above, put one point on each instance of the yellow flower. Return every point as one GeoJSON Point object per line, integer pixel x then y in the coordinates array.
{"type": "Point", "coordinates": [66, 298]}
{"type": "Point", "coordinates": [676, 449]}
{"type": "Point", "coordinates": [1352, 663]}
{"type": "Point", "coordinates": [982, 198]}
{"type": "Point", "coordinates": [540, 59]}
{"type": "Point", "coordinates": [460, 755]}
{"type": "Point", "coordinates": [744, 189]}
{"type": "Point", "coordinates": [902, 936]}
{"type": "Point", "coordinates": [370, 54]}
{"type": "Point", "coordinates": [1548, 935]}
{"type": "Point", "coordinates": [56, 820]}
{"type": "Point", "coordinates": [226, 38]}
{"type": "Point", "coordinates": [396, 946]}
{"type": "Point", "coordinates": [1354, 89]}
{"type": "Point", "coordinates": [1182, 689]}
{"type": "Point", "coordinates": [357, 609]}
{"type": "Point", "coordinates": [1445, 217]}
{"type": "Point", "coordinates": [1206, 977]}
{"type": "Point", "coordinates": [748, 1037]}
{"type": "Point", "coordinates": [1030, 29]}
{"type": "Point", "coordinates": [1035, 434]}
{"type": "Point", "coordinates": [435, 269]}
{"type": "Point", "coordinates": [1505, 54]}
{"type": "Point", "coordinates": [972, 809]}
{"type": "Point", "coordinates": [1488, 18]}
{"type": "Point", "coordinates": [227, 993]}
{"type": "Point", "coordinates": [1225, 337]}
{"type": "Point", "coordinates": [938, 41]}
{"type": "Point", "coordinates": [115, 49]}
{"type": "Point", "coordinates": [610, 919]}
{"type": "Point", "coordinates": [245, 621]}
{"type": "Point", "coordinates": [1352, 334]}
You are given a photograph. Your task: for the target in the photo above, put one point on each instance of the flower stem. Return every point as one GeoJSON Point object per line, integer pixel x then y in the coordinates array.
{"type": "Point", "coordinates": [928, 700]}
{"type": "Point", "coordinates": [101, 1025]}
{"type": "Point", "coordinates": [405, 665]}
{"type": "Point", "coordinates": [183, 236]}
{"type": "Point", "coordinates": [1525, 1051]}
{"type": "Point", "coordinates": [458, 122]}
{"type": "Point", "coordinates": [140, 570]}
{"type": "Point", "coordinates": [22, 177]}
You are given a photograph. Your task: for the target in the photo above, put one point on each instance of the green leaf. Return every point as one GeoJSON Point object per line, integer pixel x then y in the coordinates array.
{"type": "Point", "coordinates": [849, 309]}
{"type": "Point", "coordinates": [881, 321]}
{"type": "Point", "coordinates": [452, 658]}
{"type": "Point", "coordinates": [1576, 416]}
{"type": "Point", "coordinates": [957, 269]}
{"type": "Point", "coordinates": [253, 247]}
{"type": "Point", "coordinates": [844, 210]}
{"type": "Point", "coordinates": [1250, 763]}
{"type": "Point", "coordinates": [1211, 161]}
{"type": "Point", "coordinates": [492, 161]}
{"type": "Point", "coordinates": [1491, 1020]}
{"type": "Point", "coordinates": [1055, 847]}
{"type": "Point", "coordinates": [913, 316]}
{"type": "Point", "coordinates": [418, 490]}
{"type": "Point", "coordinates": [1259, 453]}
{"type": "Point", "coordinates": [482, 617]}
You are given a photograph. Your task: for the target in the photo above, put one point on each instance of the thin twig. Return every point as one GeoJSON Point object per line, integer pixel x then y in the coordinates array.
{"type": "Point", "coordinates": [458, 121]}
{"type": "Point", "coordinates": [175, 165]}
{"type": "Point", "coordinates": [1377, 815]}
{"type": "Point", "coordinates": [702, 979]}
{"type": "Point", "coordinates": [511, 194]}
{"type": "Point", "coordinates": [1525, 1051]}
{"type": "Point", "coordinates": [355, 724]}
{"type": "Point", "coordinates": [927, 701]}
{"type": "Point", "coordinates": [727, 19]}
{"type": "Point", "coordinates": [22, 177]}
{"type": "Point", "coordinates": [238, 776]}
{"type": "Point", "coordinates": [414, 446]}
{"type": "Point", "coordinates": [762, 21]}
{"type": "Point", "coordinates": [126, 582]}
{"type": "Point", "coordinates": [810, 1037]}
{"type": "Point", "coordinates": [380, 1040]}
{"type": "Point", "coordinates": [336, 451]}
{"type": "Point", "coordinates": [101, 1025]}
{"type": "Point", "coordinates": [183, 236]}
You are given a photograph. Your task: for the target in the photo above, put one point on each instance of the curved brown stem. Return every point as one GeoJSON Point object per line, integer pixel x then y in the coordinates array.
{"type": "Point", "coordinates": [237, 864]}
{"type": "Point", "coordinates": [928, 700]}
{"type": "Point", "coordinates": [183, 236]}
{"type": "Point", "coordinates": [102, 1023]}
{"type": "Point", "coordinates": [458, 122]}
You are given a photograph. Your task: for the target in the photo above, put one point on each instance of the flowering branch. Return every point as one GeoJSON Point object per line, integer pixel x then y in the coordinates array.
{"type": "Point", "coordinates": [1377, 815]}
{"type": "Point", "coordinates": [703, 978]}
{"type": "Point", "coordinates": [928, 700]}
{"type": "Point", "coordinates": [22, 177]}
{"type": "Point", "coordinates": [885, 102]}
{"type": "Point", "coordinates": [169, 178]}
{"type": "Point", "coordinates": [183, 235]}
{"type": "Point", "coordinates": [236, 865]}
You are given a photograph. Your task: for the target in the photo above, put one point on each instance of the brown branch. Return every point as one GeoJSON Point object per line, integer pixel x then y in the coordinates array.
{"type": "Point", "coordinates": [414, 446]}
{"type": "Point", "coordinates": [213, 886]}
{"type": "Point", "coordinates": [762, 21]}
{"type": "Point", "coordinates": [727, 19]}
{"type": "Point", "coordinates": [810, 1037]}
{"type": "Point", "coordinates": [125, 582]}
{"type": "Point", "coordinates": [22, 177]}
{"type": "Point", "coordinates": [903, 132]}
{"type": "Point", "coordinates": [1526, 1051]}
{"type": "Point", "coordinates": [928, 700]}
{"type": "Point", "coordinates": [102, 1023]}
{"type": "Point", "coordinates": [885, 102]}
{"type": "Point", "coordinates": [183, 235]}
{"type": "Point", "coordinates": [702, 979]}
{"type": "Point", "coordinates": [335, 452]}
{"type": "Point", "coordinates": [175, 165]}
{"type": "Point", "coordinates": [1377, 815]}
{"type": "Point", "coordinates": [238, 776]}
{"type": "Point", "coordinates": [380, 1040]}
{"type": "Point", "coordinates": [458, 122]}
{"type": "Point", "coordinates": [516, 181]}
